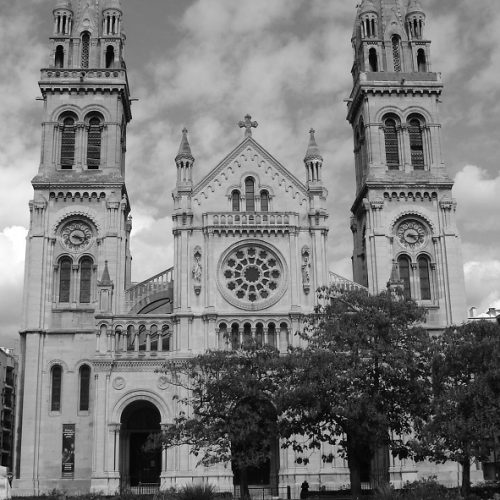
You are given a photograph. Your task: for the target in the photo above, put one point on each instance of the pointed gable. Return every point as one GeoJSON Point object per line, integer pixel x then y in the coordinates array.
{"type": "Point", "coordinates": [250, 158]}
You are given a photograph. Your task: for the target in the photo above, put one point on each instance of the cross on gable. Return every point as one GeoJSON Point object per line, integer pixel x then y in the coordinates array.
{"type": "Point", "coordinates": [248, 124]}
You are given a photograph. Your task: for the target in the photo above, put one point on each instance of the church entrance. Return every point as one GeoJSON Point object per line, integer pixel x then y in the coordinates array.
{"type": "Point", "coordinates": [140, 464]}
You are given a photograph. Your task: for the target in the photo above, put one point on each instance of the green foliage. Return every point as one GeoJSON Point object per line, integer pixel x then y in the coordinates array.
{"type": "Point", "coordinates": [465, 406]}
{"type": "Point", "coordinates": [196, 492]}
{"type": "Point", "coordinates": [363, 371]}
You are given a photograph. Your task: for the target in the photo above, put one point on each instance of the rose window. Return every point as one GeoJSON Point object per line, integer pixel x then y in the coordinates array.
{"type": "Point", "coordinates": [251, 276]}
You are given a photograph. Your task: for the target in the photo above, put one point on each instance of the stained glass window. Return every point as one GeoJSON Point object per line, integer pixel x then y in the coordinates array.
{"type": "Point", "coordinates": [250, 194]}
{"type": "Point", "coordinates": [85, 280]}
{"type": "Point", "coordinates": [84, 388]}
{"type": "Point", "coordinates": [425, 282]}
{"type": "Point", "coordinates": [404, 274]}
{"type": "Point", "coordinates": [55, 396]}
{"type": "Point", "coordinates": [64, 279]}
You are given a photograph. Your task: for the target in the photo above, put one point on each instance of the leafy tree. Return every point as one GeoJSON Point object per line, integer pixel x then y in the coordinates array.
{"type": "Point", "coordinates": [229, 402]}
{"type": "Point", "coordinates": [361, 380]}
{"type": "Point", "coordinates": [466, 396]}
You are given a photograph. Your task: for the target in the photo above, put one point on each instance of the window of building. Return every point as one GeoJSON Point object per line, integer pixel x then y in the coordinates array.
{"type": "Point", "coordinates": [84, 388]}
{"type": "Point", "coordinates": [235, 201]}
{"type": "Point", "coordinates": [404, 274]}
{"type": "Point", "coordinates": [425, 280]}
{"type": "Point", "coordinates": [373, 59]}
{"type": "Point", "coordinates": [416, 144]}
{"type": "Point", "coordinates": [264, 201]}
{"type": "Point", "coordinates": [391, 144]}
{"type": "Point", "coordinates": [65, 266]}
{"type": "Point", "coordinates": [56, 385]}
{"type": "Point", "coordinates": [250, 194]}
{"type": "Point", "coordinates": [68, 136]}
{"type": "Point", "coordinates": [59, 57]}
{"type": "Point", "coordinates": [85, 49]}
{"type": "Point", "coordinates": [110, 56]}
{"type": "Point", "coordinates": [421, 61]}
{"type": "Point", "coordinates": [396, 53]}
{"type": "Point", "coordinates": [85, 279]}
{"type": "Point", "coordinates": [94, 141]}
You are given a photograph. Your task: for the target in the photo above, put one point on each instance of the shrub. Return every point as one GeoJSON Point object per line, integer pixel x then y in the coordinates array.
{"type": "Point", "coordinates": [196, 492]}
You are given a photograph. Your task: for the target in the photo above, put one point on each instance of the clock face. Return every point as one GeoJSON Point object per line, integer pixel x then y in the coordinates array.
{"type": "Point", "coordinates": [76, 235]}
{"type": "Point", "coordinates": [411, 234]}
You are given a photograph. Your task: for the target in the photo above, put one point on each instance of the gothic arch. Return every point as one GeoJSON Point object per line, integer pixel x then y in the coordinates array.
{"type": "Point", "coordinates": [140, 395]}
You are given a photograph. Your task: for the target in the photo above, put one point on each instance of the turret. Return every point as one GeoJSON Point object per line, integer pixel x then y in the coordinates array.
{"type": "Point", "coordinates": [63, 18]}
{"type": "Point", "coordinates": [184, 161]}
{"type": "Point", "coordinates": [369, 19]}
{"type": "Point", "coordinates": [415, 20]}
{"type": "Point", "coordinates": [313, 160]}
{"type": "Point", "coordinates": [111, 18]}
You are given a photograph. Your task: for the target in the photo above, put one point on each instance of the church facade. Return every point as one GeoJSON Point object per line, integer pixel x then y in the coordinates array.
{"type": "Point", "coordinates": [250, 249]}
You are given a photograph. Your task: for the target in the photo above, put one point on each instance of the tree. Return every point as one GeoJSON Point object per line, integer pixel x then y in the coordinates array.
{"type": "Point", "coordinates": [362, 378]}
{"type": "Point", "coordinates": [465, 407]}
{"type": "Point", "coordinates": [229, 401]}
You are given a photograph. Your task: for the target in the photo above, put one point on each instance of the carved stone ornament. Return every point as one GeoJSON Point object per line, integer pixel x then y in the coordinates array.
{"type": "Point", "coordinates": [306, 269]}
{"type": "Point", "coordinates": [119, 383]}
{"type": "Point", "coordinates": [197, 270]}
{"type": "Point", "coordinates": [162, 382]}
{"type": "Point", "coordinates": [411, 234]}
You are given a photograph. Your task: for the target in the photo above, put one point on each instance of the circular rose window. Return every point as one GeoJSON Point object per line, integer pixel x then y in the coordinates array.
{"type": "Point", "coordinates": [251, 276]}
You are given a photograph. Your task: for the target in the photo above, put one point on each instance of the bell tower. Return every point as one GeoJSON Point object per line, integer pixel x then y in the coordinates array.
{"type": "Point", "coordinates": [403, 219]}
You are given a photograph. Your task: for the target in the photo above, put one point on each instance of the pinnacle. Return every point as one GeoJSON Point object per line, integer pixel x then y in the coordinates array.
{"type": "Point", "coordinates": [312, 152]}
{"type": "Point", "coordinates": [105, 279]}
{"type": "Point", "coordinates": [184, 148]}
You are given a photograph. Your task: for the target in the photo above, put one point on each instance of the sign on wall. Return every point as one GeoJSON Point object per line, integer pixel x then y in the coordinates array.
{"type": "Point", "coordinates": [68, 451]}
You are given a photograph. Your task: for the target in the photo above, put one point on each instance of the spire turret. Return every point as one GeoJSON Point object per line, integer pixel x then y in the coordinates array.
{"type": "Point", "coordinates": [415, 20]}
{"type": "Point", "coordinates": [63, 18]}
{"type": "Point", "coordinates": [184, 160]}
{"type": "Point", "coordinates": [313, 159]}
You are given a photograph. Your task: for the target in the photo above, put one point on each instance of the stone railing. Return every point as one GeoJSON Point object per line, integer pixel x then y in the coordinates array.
{"type": "Point", "coordinates": [159, 282]}
{"type": "Point", "coordinates": [251, 220]}
{"type": "Point", "coordinates": [344, 284]}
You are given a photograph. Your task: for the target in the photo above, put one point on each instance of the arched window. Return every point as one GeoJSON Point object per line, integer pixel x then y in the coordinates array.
{"type": "Point", "coordinates": [421, 61]}
{"type": "Point", "coordinates": [396, 52]}
{"type": "Point", "coordinates": [85, 279]}
{"type": "Point", "coordinates": [84, 388]}
{"type": "Point", "coordinates": [416, 144]}
{"type": "Point", "coordinates": [94, 140]}
{"type": "Point", "coordinates": [391, 144]}
{"type": "Point", "coordinates": [110, 56]}
{"type": "Point", "coordinates": [264, 201]}
{"type": "Point", "coordinates": [68, 136]}
{"type": "Point", "coordinates": [65, 265]}
{"type": "Point", "coordinates": [404, 274]}
{"type": "Point", "coordinates": [59, 57]}
{"type": "Point", "coordinates": [85, 49]}
{"type": "Point", "coordinates": [373, 59]}
{"type": "Point", "coordinates": [55, 388]}
{"type": "Point", "coordinates": [425, 278]}
{"type": "Point", "coordinates": [250, 194]}
{"type": "Point", "coordinates": [235, 201]}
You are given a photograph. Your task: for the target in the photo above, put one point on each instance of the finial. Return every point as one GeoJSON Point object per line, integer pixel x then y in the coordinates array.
{"type": "Point", "coordinates": [312, 152]}
{"type": "Point", "coordinates": [184, 148]}
{"type": "Point", "coordinates": [248, 124]}
{"type": "Point", "coordinates": [105, 279]}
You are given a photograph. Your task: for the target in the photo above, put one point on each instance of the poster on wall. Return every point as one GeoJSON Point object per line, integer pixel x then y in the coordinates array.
{"type": "Point", "coordinates": [68, 450]}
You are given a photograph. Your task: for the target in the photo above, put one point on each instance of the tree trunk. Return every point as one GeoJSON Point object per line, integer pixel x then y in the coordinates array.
{"type": "Point", "coordinates": [355, 475]}
{"type": "Point", "coordinates": [244, 491]}
{"type": "Point", "coordinates": [465, 477]}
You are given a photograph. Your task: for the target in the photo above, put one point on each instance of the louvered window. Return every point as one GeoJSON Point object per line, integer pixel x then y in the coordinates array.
{"type": "Point", "coordinates": [94, 143]}
{"type": "Point", "coordinates": [396, 53]}
{"type": "Point", "coordinates": [264, 201]}
{"type": "Point", "coordinates": [425, 282]}
{"type": "Point", "coordinates": [85, 50]}
{"type": "Point", "coordinates": [391, 144]}
{"type": "Point", "coordinates": [404, 275]}
{"type": "Point", "coordinates": [68, 137]}
{"type": "Point", "coordinates": [416, 144]}
{"type": "Point", "coordinates": [250, 194]}
{"type": "Point", "coordinates": [85, 280]}
{"type": "Point", "coordinates": [55, 395]}
{"type": "Point", "coordinates": [84, 388]}
{"type": "Point", "coordinates": [64, 280]}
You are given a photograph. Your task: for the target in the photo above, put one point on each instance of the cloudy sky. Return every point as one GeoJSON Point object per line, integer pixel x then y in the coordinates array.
{"type": "Point", "coordinates": [204, 64]}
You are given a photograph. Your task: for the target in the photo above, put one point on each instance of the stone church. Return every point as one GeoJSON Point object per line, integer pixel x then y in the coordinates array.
{"type": "Point", "coordinates": [250, 244]}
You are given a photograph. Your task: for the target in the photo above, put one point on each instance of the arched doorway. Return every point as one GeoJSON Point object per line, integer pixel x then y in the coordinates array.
{"type": "Point", "coordinates": [255, 450]}
{"type": "Point", "coordinates": [140, 462]}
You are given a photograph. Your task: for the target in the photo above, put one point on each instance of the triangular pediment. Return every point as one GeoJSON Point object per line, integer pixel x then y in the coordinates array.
{"type": "Point", "coordinates": [250, 158]}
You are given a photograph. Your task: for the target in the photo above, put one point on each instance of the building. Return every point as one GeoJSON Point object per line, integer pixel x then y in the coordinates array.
{"type": "Point", "coordinates": [250, 249]}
